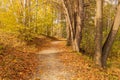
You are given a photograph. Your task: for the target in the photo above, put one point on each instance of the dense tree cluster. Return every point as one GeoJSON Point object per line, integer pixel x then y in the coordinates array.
{"type": "Point", "coordinates": [75, 16]}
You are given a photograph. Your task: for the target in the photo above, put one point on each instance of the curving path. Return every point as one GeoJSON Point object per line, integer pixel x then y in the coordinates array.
{"type": "Point", "coordinates": [50, 67]}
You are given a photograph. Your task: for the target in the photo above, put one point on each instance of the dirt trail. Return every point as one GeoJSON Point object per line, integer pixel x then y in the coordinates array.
{"type": "Point", "coordinates": [51, 67]}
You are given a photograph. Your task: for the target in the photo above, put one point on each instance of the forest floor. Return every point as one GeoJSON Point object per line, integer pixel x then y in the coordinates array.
{"type": "Point", "coordinates": [51, 67]}
{"type": "Point", "coordinates": [58, 62]}
{"type": "Point", "coordinates": [50, 59]}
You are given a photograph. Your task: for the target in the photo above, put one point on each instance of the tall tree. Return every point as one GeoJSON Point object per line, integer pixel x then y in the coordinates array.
{"type": "Point", "coordinates": [74, 10]}
{"type": "Point", "coordinates": [68, 23]}
{"type": "Point", "coordinates": [111, 36]}
{"type": "Point", "coordinates": [98, 37]}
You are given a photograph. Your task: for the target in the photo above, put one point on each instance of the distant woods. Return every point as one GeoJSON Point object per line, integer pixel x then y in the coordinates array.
{"type": "Point", "coordinates": [91, 26]}
{"type": "Point", "coordinates": [29, 18]}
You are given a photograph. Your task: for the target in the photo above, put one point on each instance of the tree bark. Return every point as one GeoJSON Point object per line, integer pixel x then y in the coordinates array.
{"type": "Point", "coordinates": [68, 33]}
{"type": "Point", "coordinates": [111, 37]}
{"type": "Point", "coordinates": [78, 25]}
{"type": "Point", "coordinates": [74, 11]}
{"type": "Point", "coordinates": [68, 23]}
{"type": "Point", "coordinates": [98, 36]}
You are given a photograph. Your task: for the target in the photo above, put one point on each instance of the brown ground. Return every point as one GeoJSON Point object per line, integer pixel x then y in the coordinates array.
{"type": "Point", "coordinates": [50, 67]}
{"type": "Point", "coordinates": [51, 60]}
{"type": "Point", "coordinates": [58, 62]}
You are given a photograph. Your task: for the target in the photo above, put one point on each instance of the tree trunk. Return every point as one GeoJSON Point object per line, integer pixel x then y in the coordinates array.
{"type": "Point", "coordinates": [111, 37]}
{"type": "Point", "coordinates": [68, 24]}
{"type": "Point", "coordinates": [78, 25]}
{"type": "Point", "coordinates": [98, 36]}
{"type": "Point", "coordinates": [25, 18]}
{"type": "Point", "coordinates": [74, 11]}
{"type": "Point", "coordinates": [29, 13]}
{"type": "Point", "coordinates": [36, 17]}
{"type": "Point", "coordinates": [68, 33]}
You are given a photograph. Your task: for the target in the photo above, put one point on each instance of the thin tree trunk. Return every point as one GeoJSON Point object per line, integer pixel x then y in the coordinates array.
{"type": "Point", "coordinates": [111, 37]}
{"type": "Point", "coordinates": [24, 13]}
{"type": "Point", "coordinates": [78, 25]}
{"type": "Point", "coordinates": [68, 24]}
{"type": "Point", "coordinates": [68, 33]}
{"type": "Point", "coordinates": [29, 13]}
{"type": "Point", "coordinates": [98, 36]}
{"type": "Point", "coordinates": [36, 17]}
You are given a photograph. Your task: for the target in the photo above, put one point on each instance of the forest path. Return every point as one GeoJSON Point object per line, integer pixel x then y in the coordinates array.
{"type": "Point", "coordinates": [50, 67]}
